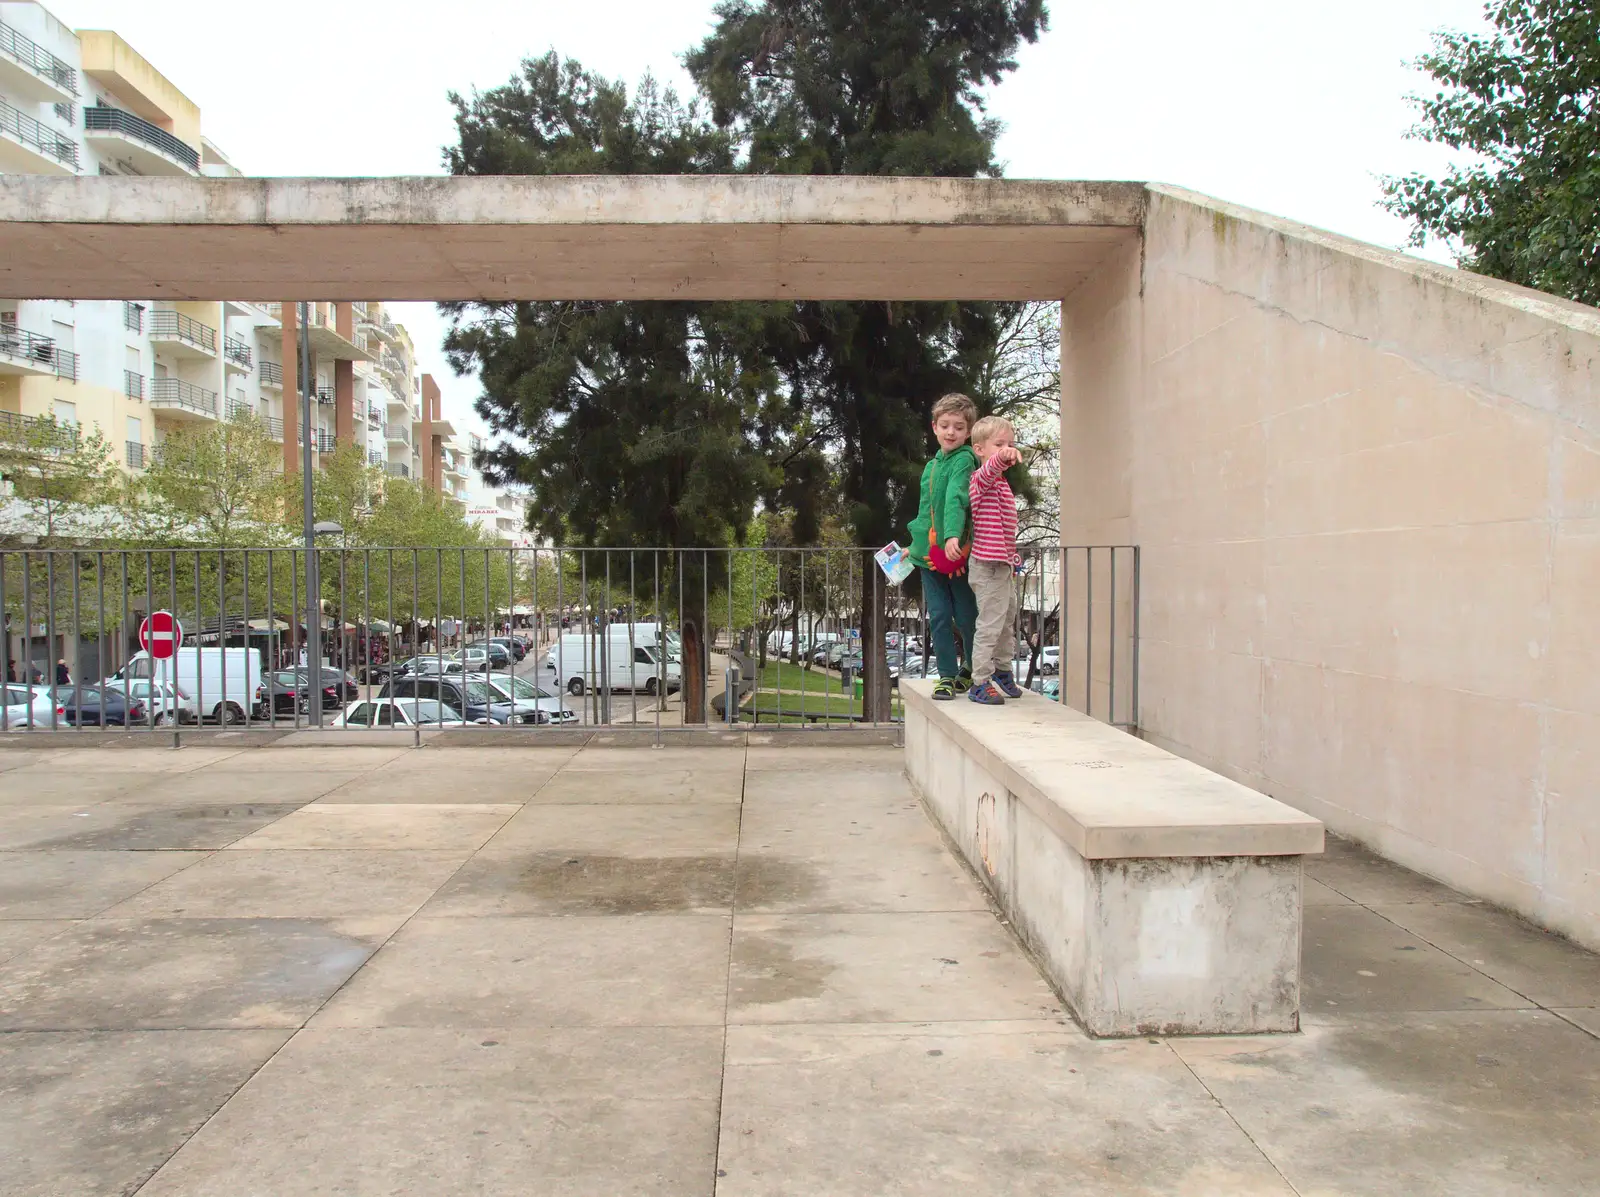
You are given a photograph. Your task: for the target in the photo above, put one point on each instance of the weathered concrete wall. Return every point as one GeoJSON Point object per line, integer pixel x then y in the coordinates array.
{"type": "Point", "coordinates": [1368, 495]}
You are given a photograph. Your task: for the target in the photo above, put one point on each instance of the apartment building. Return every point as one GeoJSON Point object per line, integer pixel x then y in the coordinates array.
{"type": "Point", "coordinates": [85, 102]}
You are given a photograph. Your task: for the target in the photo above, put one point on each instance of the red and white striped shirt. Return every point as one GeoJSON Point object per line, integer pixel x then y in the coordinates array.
{"type": "Point", "coordinates": [994, 514]}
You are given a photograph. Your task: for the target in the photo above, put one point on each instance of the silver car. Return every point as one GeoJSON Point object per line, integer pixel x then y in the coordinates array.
{"type": "Point", "coordinates": [31, 706]}
{"type": "Point", "coordinates": [524, 695]}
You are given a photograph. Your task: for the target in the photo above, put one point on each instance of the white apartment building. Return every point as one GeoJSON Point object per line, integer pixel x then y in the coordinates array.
{"type": "Point", "coordinates": [85, 102]}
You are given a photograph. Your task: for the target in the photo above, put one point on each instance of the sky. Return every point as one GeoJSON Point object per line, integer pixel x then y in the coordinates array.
{"type": "Point", "coordinates": [1295, 109]}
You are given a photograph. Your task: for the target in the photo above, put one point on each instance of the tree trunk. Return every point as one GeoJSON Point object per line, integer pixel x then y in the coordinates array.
{"type": "Point", "coordinates": [874, 656]}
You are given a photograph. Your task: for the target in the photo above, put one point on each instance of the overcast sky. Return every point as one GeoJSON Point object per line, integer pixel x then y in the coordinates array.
{"type": "Point", "coordinates": [1293, 108]}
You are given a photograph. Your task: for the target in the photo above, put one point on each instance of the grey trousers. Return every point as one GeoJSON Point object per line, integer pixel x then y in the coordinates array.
{"type": "Point", "coordinates": [996, 638]}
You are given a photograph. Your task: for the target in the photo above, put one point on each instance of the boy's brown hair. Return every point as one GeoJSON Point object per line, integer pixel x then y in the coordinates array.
{"type": "Point", "coordinates": [956, 404]}
{"type": "Point", "coordinates": [988, 426]}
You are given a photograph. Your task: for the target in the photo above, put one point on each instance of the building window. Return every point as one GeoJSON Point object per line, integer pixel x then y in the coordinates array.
{"type": "Point", "coordinates": [132, 317]}
{"type": "Point", "coordinates": [66, 413]}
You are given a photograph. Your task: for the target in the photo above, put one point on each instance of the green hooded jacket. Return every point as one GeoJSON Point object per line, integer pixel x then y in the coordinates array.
{"type": "Point", "coordinates": [945, 506]}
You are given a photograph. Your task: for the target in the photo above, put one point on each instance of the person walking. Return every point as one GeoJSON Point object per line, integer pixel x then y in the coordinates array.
{"type": "Point", "coordinates": [63, 674]}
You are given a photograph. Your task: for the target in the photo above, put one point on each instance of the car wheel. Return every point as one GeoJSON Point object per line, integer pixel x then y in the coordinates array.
{"type": "Point", "coordinates": [575, 687]}
{"type": "Point", "coordinates": [651, 685]}
{"type": "Point", "coordinates": [231, 715]}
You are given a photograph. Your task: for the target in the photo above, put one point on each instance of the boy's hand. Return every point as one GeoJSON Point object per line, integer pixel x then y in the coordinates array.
{"type": "Point", "coordinates": [1009, 456]}
{"type": "Point", "coordinates": [952, 548]}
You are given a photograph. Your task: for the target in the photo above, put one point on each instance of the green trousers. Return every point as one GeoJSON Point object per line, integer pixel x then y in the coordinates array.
{"type": "Point", "coordinates": [952, 609]}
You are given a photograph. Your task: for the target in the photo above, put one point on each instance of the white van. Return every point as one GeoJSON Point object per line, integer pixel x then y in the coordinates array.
{"type": "Point", "coordinates": [216, 683]}
{"type": "Point", "coordinates": [575, 661]}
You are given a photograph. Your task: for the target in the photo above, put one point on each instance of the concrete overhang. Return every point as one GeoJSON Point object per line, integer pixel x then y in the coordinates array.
{"type": "Point", "coordinates": [560, 237]}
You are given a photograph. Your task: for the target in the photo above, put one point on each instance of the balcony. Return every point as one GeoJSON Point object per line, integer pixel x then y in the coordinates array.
{"type": "Point", "coordinates": [395, 370]}
{"type": "Point", "coordinates": [327, 341]}
{"type": "Point", "coordinates": [182, 400]}
{"type": "Point", "coordinates": [29, 71]}
{"type": "Point", "coordinates": [326, 396]}
{"type": "Point", "coordinates": [384, 329]}
{"type": "Point", "coordinates": [183, 335]}
{"type": "Point", "coordinates": [397, 434]}
{"type": "Point", "coordinates": [148, 148]}
{"type": "Point", "coordinates": [274, 427]}
{"type": "Point", "coordinates": [27, 147]}
{"type": "Point", "coordinates": [236, 355]}
{"type": "Point", "coordinates": [374, 457]}
{"type": "Point", "coordinates": [31, 355]}
{"type": "Point", "coordinates": [38, 432]}
{"type": "Point", "coordinates": [133, 384]}
{"type": "Point", "coordinates": [397, 469]}
{"type": "Point", "coordinates": [135, 455]}
{"type": "Point", "coordinates": [375, 415]}
{"type": "Point", "coordinates": [327, 442]}
{"type": "Point", "coordinates": [271, 375]}
{"type": "Point", "coordinates": [132, 316]}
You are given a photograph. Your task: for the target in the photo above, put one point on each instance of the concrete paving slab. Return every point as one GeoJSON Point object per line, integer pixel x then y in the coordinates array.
{"type": "Point", "coordinates": [469, 780]}
{"type": "Point", "coordinates": [1470, 1104]}
{"type": "Point", "coordinates": [842, 787]}
{"type": "Point", "coordinates": [1026, 1108]}
{"type": "Point", "coordinates": [382, 826]}
{"type": "Point", "coordinates": [705, 758]}
{"type": "Point", "coordinates": [643, 830]}
{"type": "Point", "coordinates": [49, 784]}
{"type": "Point", "coordinates": [1543, 967]}
{"type": "Point", "coordinates": [14, 757]}
{"type": "Point", "coordinates": [670, 783]}
{"type": "Point", "coordinates": [648, 970]}
{"type": "Point", "coordinates": [19, 935]}
{"type": "Point", "coordinates": [1588, 1019]}
{"type": "Point", "coordinates": [1355, 961]}
{"type": "Point", "coordinates": [278, 760]}
{"type": "Point", "coordinates": [502, 1112]}
{"type": "Point", "coordinates": [950, 966]}
{"type": "Point", "coordinates": [141, 827]}
{"type": "Point", "coordinates": [83, 1114]}
{"type": "Point", "coordinates": [861, 854]}
{"type": "Point", "coordinates": [290, 883]}
{"type": "Point", "coordinates": [1351, 870]}
{"type": "Point", "coordinates": [1314, 893]}
{"type": "Point", "coordinates": [214, 785]}
{"type": "Point", "coordinates": [155, 974]}
{"type": "Point", "coordinates": [809, 756]}
{"type": "Point", "coordinates": [68, 885]}
{"type": "Point", "coordinates": [130, 754]}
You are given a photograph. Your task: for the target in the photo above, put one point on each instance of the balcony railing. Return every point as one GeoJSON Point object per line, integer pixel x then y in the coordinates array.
{"type": "Point", "coordinates": [238, 407]}
{"type": "Point", "coordinates": [133, 316]}
{"type": "Point", "coordinates": [274, 426]}
{"type": "Point", "coordinates": [271, 374]}
{"type": "Point", "coordinates": [325, 396]}
{"type": "Point", "coordinates": [327, 442]}
{"type": "Point", "coordinates": [174, 392]}
{"type": "Point", "coordinates": [136, 455]}
{"type": "Point", "coordinates": [398, 469]}
{"type": "Point", "coordinates": [34, 135]}
{"type": "Point", "coordinates": [133, 384]}
{"type": "Point", "coordinates": [237, 352]}
{"type": "Point", "coordinates": [114, 120]}
{"type": "Point", "coordinates": [38, 432]}
{"type": "Point", "coordinates": [175, 326]}
{"type": "Point", "coordinates": [397, 432]}
{"type": "Point", "coordinates": [375, 414]}
{"type": "Point", "coordinates": [37, 59]}
{"type": "Point", "coordinates": [374, 457]}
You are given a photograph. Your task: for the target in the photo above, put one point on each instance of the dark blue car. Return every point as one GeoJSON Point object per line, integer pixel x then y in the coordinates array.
{"type": "Point", "coordinates": [467, 695]}
{"type": "Point", "coordinates": [96, 706]}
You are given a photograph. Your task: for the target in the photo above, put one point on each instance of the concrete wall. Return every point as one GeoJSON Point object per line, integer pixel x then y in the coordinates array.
{"type": "Point", "coordinates": [1368, 495]}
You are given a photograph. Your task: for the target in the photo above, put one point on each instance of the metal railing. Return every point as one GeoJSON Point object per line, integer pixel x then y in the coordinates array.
{"type": "Point", "coordinates": [375, 458]}
{"type": "Point", "coordinates": [37, 59]}
{"type": "Point", "coordinates": [274, 427]}
{"type": "Point", "coordinates": [397, 469]}
{"type": "Point", "coordinates": [271, 374]}
{"type": "Point", "coordinates": [397, 432]}
{"type": "Point", "coordinates": [135, 455]}
{"type": "Point", "coordinates": [176, 326]}
{"type": "Point", "coordinates": [375, 414]}
{"type": "Point", "coordinates": [36, 136]}
{"type": "Point", "coordinates": [133, 384]}
{"type": "Point", "coordinates": [327, 442]}
{"type": "Point", "coordinates": [325, 396]}
{"type": "Point", "coordinates": [40, 351]}
{"type": "Point", "coordinates": [175, 392]}
{"type": "Point", "coordinates": [43, 432]}
{"type": "Point", "coordinates": [504, 638]}
{"type": "Point", "coordinates": [236, 351]}
{"type": "Point", "coordinates": [132, 316]}
{"type": "Point", "coordinates": [101, 118]}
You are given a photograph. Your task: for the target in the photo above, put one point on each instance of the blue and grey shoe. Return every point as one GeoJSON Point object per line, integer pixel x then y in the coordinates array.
{"type": "Point", "coordinates": [987, 694]}
{"type": "Point", "coordinates": [1007, 683]}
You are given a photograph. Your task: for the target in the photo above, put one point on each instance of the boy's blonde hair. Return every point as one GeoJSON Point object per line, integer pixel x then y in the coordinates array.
{"type": "Point", "coordinates": [956, 404]}
{"type": "Point", "coordinates": [989, 426]}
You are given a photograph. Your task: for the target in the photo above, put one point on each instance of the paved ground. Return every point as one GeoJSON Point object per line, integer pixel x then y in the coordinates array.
{"type": "Point", "coordinates": [287, 971]}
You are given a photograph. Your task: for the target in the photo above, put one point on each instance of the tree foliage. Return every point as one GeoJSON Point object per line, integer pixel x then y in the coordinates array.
{"type": "Point", "coordinates": [1524, 104]}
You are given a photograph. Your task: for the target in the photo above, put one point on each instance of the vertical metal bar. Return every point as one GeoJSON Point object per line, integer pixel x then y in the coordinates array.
{"type": "Point", "coordinates": [605, 647]}
{"type": "Point", "coordinates": [730, 702]}
{"type": "Point", "coordinates": [1064, 554]}
{"type": "Point", "coordinates": [5, 636]}
{"type": "Point", "coordinates": [438, 630]}
{"type": "Point", "coordinates": [661, 660]}
{"type": "Point", "coordinates": [416, 636]}
{"type": "Point", "coordinates": [50, 633]}
{"type": "Point", "coordinates": [804, 654]}
{"type": "Point", "coordinates": [177, 641]}
{"type": "Point", "coordinates": [296, 628]}
{"type": "Point", "coordinates": [27, 635]}
{"type": "Point", "coordinates": [633, 647]}
{"type": "Point", "coordinates": [1111, 715]}
{"type": "Point", "coordinates": [249, 648]}
{"type": "Point", "coordinates": [364, 652]}
{"type": "Point", "coordinates": [1088, 632]}
{"type": "Point", "coordinates": [274, 641]}
{"type": "Point", "coordinates": [560, 629]}
{"type": "Point", "coordinates": [1133, 705]}
{"type": "Point", "coordinates": [344, 637]}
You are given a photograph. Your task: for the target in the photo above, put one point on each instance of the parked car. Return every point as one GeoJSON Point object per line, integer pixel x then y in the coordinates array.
{"type": "Point", "coordinates": [428, 666]}
{"type": "Point", "coordinates": [31, 706]}
{"type": "Point", "coordinates": [473, 657]}
{"type": "Point", "coordinates": [1050, 687]}
{"type": "Point", "coordinates": [401, 712]}
{"type": "Point", "coordinates": [516, 648]}
{"type": "Point", "coordinates": [469, 695]}
{"type": "Point", "coordinates": [98, 706]}
{"type": "Point", "coordinates": [287, 691]}
{"type": "Point", "coordinates": [164, 703]}
{"type": "Point", "coordinates": [222, 680]}
{"type": "Point", "coordinates": [523, 693]}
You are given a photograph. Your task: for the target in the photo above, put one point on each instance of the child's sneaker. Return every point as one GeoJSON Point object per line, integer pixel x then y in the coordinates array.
{"type": "Point", "coordinates": [1007, 684]}
{"type": "Point", "coordinates": [944, 689]}
{"type": "Point", "coordinates": [964, 679]}
{"type": "Point", "coordinates": [987, 694]}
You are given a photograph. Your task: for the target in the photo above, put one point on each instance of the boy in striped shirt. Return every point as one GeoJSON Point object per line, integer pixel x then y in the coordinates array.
{"type": "Point", "coordinates": [994, 554]}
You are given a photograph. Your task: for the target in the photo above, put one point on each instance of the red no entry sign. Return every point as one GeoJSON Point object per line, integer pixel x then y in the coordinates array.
{"type": "Point", "coordinates": [160, 633]}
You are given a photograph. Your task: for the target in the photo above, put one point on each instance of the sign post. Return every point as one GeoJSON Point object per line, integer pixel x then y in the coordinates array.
{"type": "Point", "coordinates": [160, 634]}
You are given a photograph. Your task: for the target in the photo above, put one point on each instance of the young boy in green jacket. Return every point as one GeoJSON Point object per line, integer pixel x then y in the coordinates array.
{"type": "Point", "coordinates": [941, 537]}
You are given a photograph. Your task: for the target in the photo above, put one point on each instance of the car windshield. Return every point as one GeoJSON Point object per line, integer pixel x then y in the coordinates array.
{"type": "Point", "coordinates": [427, 710]}
{"type": "Point", "coordinates": [479, 694]}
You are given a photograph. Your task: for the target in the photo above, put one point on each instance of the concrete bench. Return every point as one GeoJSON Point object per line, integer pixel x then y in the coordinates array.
{"type": "Point", "coordinates": [1161, 898]}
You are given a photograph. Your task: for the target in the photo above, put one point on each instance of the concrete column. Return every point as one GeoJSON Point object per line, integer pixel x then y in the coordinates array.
{"type": "Point", "coordinates": [344, 400]}
{"type": "Point", "coordinates": [291, 388]}
{"type": "Point", "coordinates": [432, 446]}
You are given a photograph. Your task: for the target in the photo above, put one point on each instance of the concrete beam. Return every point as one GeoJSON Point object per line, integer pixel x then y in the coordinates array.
{"type": "Point", "coordinates": [569, 237]}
